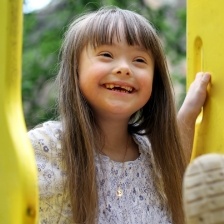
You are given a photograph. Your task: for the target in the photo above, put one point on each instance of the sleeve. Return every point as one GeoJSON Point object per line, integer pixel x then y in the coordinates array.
{"type": "Point", "coordinates": [46, 142]}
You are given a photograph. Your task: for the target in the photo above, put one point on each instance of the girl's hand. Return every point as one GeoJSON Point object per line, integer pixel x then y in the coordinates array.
{"type": "Point", "coordinates": [190, 109]}
{"type": "Point", "coordinates": [195, 98]}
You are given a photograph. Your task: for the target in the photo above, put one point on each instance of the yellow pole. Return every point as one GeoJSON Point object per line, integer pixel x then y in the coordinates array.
{"type": "Point", "coordinates": [18, 175]}
{"type": "Point", "coordinates": [205, 52]}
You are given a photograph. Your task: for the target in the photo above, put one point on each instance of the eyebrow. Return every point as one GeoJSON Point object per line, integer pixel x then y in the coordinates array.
{"type": "Point", "coordinates": [137, 47]}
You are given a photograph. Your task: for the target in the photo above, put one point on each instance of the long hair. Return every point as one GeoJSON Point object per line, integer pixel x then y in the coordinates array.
{"type": "Point", "coordinates": [156, 120]}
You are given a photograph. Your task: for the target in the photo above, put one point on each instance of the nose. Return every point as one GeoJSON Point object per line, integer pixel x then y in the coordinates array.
{"type": "Point", "coordinates": [122, 69]}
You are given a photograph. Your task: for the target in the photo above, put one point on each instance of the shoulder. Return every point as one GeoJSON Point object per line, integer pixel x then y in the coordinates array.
{"type": "Point", "coordinates": [49, 129]}
{"type": "Point", "coordinates": [143, 143]}
{"type": "Point", "coordinates": [46, 137]}
{"type": "Point", "coordinates": [46, 142]}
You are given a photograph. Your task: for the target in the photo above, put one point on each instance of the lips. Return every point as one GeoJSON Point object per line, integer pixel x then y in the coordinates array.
{"type": "Point", "coordinates": [119, 88]}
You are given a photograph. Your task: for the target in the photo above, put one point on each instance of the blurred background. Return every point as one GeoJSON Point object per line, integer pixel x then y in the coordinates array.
{"type": "Point", "coordinates": [45, 22]}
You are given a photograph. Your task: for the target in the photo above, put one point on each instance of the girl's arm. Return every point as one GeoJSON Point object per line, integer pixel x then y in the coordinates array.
{"type": "Point", "coordinates": [190, 109]}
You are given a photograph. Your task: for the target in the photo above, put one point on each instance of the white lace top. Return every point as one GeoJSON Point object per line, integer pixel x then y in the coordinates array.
{"type": "Point", "coordinates": [139, 203]}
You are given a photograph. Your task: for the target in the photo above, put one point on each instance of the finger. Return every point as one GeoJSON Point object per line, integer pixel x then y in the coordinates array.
{"type": "Point", "coordinates": [203, 78]}
{"type": "Point", "coordinates": [206, 78]}
{"type": "Point", "coordinates": [199, 75]}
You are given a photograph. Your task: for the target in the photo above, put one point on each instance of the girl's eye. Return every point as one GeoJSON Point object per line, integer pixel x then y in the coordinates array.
{"type": "Point", "coordinates": [141, 60]}
{"type": "Point", "coordinates": [106, 54]}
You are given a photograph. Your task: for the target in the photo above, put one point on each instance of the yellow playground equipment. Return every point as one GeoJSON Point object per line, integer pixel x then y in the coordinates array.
{"type": "Point", "coordinates": [18, 187]}
{"type": "Point", "coordinates": [205, 52]}
{"type": "Point", "coordinates": [18, 175]}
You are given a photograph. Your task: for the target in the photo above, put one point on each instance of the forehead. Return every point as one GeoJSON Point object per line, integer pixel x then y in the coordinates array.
{"type": "Point", "coordinates": [115, 27]}
{"type": "Point", "coordinates": [108, 26]}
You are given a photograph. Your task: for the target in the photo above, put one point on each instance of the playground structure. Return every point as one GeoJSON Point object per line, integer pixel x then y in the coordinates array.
{"type": "Point", "coordinates": [205, 50]}
{"type": "Point", "coordinates": [18, 188]}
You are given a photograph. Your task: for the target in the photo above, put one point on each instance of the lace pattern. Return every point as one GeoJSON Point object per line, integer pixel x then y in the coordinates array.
{"type": "Point", "coordinates": [140, 203]}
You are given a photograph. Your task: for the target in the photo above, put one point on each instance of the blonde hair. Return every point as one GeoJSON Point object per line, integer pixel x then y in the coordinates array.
{"type": "Point", "coordinates": [156, 120]}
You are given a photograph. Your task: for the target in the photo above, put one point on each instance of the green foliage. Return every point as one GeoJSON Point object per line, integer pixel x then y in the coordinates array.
{"type": "Point", "coordinates": [43, 33]}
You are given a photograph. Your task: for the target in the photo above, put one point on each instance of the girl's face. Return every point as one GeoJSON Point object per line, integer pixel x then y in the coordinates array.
{"type": "Point", "coordinates": [116, 79]}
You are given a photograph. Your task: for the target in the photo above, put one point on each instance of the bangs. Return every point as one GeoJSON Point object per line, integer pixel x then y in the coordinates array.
{"type": "Point", "coordinates": [106, 26]}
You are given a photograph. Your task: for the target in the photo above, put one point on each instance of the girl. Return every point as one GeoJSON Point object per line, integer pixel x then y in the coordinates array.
{"type": "Point", "coordinates": [115, 156]}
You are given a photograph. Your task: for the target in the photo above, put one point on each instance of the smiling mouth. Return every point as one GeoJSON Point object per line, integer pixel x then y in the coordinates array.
{"type": "Point", "coordinates": [123, 89]}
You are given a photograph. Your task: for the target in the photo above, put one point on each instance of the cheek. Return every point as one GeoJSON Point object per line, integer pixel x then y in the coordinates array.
{"type": "Point", "coordinates": [147, 90]}
{"type": "Point", "coordinates": [82, 80]}
{"type": "Point", "coordinates": [89, 83]}
{"type": "Point", "coordinates": [146, 83]}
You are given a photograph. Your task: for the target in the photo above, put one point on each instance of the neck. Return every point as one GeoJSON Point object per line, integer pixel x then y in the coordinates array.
{"type": "Point", "coordinates": [119, 145]}
{"type": "Point", "coordinates": [116, 135]}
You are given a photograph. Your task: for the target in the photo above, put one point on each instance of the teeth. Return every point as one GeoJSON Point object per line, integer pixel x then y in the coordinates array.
{"type": "Point", "coordinates": [129, 89]}
{"type": "Point", "coordinates": [111, 86]}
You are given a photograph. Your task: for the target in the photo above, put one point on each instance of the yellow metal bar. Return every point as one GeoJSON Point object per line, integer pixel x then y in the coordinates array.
{"type": "Point", "coordinates": [18, 175]}
{"type": "Point", "coordinates": [205, 52]}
